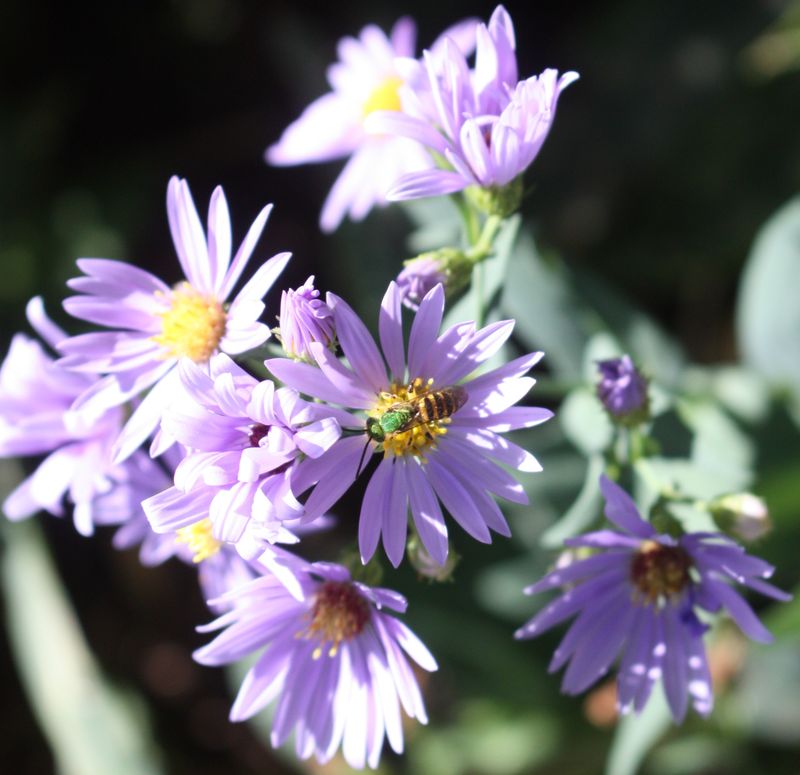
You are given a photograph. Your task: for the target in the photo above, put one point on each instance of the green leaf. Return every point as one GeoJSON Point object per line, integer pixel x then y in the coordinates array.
{"type": "Point", "coordinates": [486, 738]}
{"type": "Point", "coordinates": [437, 223]}
{"type": "Point", "coordinates": [92, 726]}
{"type": "Point", "coordinates": [583, 511]}
{"type": "Point", "coordinates": [719, 444]}
{"type": "Point", "coordinates": [636, 735]}
{"type": "Point", "coordinates": [538, 295]}
{"type": "Point", "coordinates": [654, 351]}
{"type": "Point", "coordinates": [585, 422]}
{"type": "Point", "coordinates": [768, 313]}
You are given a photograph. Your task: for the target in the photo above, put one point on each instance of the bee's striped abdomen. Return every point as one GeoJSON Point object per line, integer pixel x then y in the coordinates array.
{"type": "Point", "coordinates": [440, 404]}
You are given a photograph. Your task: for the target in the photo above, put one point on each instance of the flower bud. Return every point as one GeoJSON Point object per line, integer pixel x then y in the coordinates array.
{"type": "Point", "coordinates": [448, 266]}
{"type": "Point", "coordinates": [622, 389]}
{"type": "Point", "coordinates": [426, 566]}
{"type": "Point", "coordinates": [743, 515]}
{"type": "Point", "coordinates": [304, 319]}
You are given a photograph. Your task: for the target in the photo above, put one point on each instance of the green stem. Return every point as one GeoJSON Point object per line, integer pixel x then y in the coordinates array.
{"type": "Point", "coordinates": [477, 289]}
{"type": "Point", "coordinates": [483, 246]}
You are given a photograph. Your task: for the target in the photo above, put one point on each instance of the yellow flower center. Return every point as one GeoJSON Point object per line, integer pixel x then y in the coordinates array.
{"type": "Point", "coordinates": [425, 424]}
{"type": "Point", "coordinates": [660, 572]}
{"type": "Point", "coordinates": [200, 540]}
{"type": "Point", "coordinates": [192, 326]}
{"type": "Point", "coordinates": [339, 614]}
{"type": "Point", "coordinates": [385, 96]}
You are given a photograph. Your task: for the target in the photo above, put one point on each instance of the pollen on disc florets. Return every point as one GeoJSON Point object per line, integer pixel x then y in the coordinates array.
{"type": "Point", "coordinates": [193, 325]}
{"type": "Point", "coordinates": [339, 614]}
{"type": "Point", "coordinates": [200, 539]}
{"type": "Point", "coordinates": [660, 572]}
{"type": "Point", "coordinates": [421, 436]}
{"type": "Point", "coordinates": [385, 96]}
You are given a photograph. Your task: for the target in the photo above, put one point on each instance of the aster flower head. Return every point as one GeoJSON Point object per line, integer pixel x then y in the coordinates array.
{"type": "Point", "coordinates": [364, 80]}
{"type": "Point", "coordinates": [622, 389]}
{"type": "Point", "coordinates": [639, 596]}
{"type": "Point", "coordinates": [335, 660]}
{"type": "Point", "coordinates": [449, 449]}
{"type": "Point", "coordinates": [155, 326]}
{"type": "Point", "coordinates": [304, 319]}
{"type": "Point", "coordinates": [245, 440]}
{"type": "Point", "coordinates": [37, 418]}
{"type": "Point", "coordinates": [487, 126]}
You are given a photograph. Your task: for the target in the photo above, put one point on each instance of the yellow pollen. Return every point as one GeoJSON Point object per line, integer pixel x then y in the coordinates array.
{"type": "Point", "coordinates": [200, 540]}
{"type": "Point", "coordinates": [659, 573]}
{"type": "Point", "coordinates": [339, 614]}
{"type": "Point", "coordinates": [192, 326]}
{"type": "Point", "coordinates": [420, 437]}
{"type": "Point", "coordinates": [385, 96]}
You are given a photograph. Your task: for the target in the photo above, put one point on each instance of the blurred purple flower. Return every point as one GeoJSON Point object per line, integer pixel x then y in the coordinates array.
{"type": "Point", "coordinates": [639, 595]}
{"type": "Point", "coordinates": [304, 318]}
{"type": "Point", "coordinates": [337, 664]}
{"type": "Point", "coordinates": [484, 123]}
{"type": "Point", "coordinates": [245, 440]}
{"type": "Point", "coordinates": [453, 459]}
{"type": "Point", "coordinates": [623, 390]}
{"type": "Point", "coordinates": [156, 326]}
{"type": "Point", "coordinates": [364, 80]}
{"type": "Point", "coordinates": [36, 418]}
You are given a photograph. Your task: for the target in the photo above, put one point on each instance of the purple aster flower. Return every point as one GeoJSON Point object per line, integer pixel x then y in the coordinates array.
{"type": "Point", "coordinates": [484, 123]}
{"type": "Point", "coordinates": [364, 80]}
{"type": "Point", "coordinates": [155, 325]}
{"type": "Point", "coordinates": [623, 390]}
{"type": "Point", "coordinates": [639, 596]}
{"type": "Point", "coordinates": [336, 662]}
{"type": "Point", "coordinates": [37, 418]}
{"type": "Point", "coordinates": [449, 451]}
{"type": "Point", "coordinates": [304, 318]}
{"type": "Point", "coordinates": [246, 440]}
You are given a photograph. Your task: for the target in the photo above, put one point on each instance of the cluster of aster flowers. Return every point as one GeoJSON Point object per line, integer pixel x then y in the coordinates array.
{"type": "Point", "coordinates": [159, 423]}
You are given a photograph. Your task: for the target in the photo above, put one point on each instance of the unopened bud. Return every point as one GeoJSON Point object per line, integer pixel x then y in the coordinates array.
{"type": "Point", "coordinates": [426, 566]}
{"type": "Point", "coordinates": [304, 318]}
{"type": "Point", "coordinates": [622, 389]}
{"type": "Point", "coordinates": [448, 266]}
{"type": "Point", "coordinates": [743, 515]}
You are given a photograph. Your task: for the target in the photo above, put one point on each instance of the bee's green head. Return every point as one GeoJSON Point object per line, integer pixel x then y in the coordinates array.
{"type": "Point", "coordinates": [374, 430]}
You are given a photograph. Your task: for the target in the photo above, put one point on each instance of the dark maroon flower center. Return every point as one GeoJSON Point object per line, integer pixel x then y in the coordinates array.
{"type": "Point", "coordinates": [257, 432]}
{"type": "Point", "coordinates": [660, 572]}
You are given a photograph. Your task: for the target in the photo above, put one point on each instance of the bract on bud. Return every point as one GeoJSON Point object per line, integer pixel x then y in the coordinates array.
{"type": "Point", "coordinates": [742, 514]}
{"type": "Point", "coordinates": [502, 201]}
{"type": "Point", "coordinates": [622, 389]}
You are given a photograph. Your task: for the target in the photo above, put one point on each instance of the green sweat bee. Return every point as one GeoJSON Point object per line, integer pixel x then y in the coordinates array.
{"type": "Point", "coordinates": [425, 407]}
